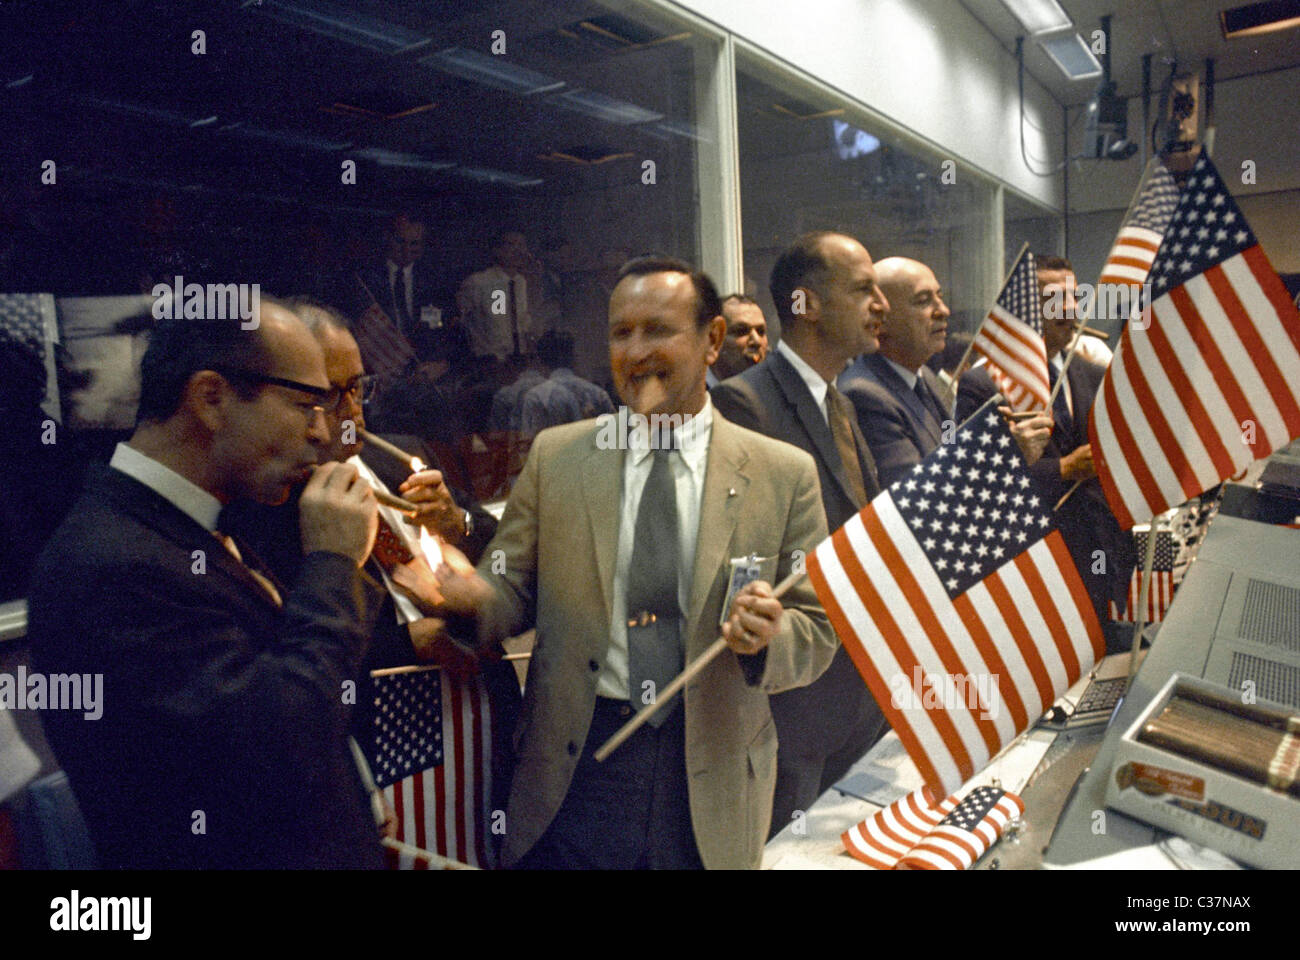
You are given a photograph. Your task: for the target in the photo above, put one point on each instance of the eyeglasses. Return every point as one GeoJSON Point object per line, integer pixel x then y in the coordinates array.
{"type": "Point", "coordinates": [322, 394]}
{"type": "Point", "coordinates": [361, 389]}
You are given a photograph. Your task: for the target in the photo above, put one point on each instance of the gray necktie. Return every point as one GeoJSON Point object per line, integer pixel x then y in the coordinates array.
{"type": "Point", "coordinates": [654, 646]}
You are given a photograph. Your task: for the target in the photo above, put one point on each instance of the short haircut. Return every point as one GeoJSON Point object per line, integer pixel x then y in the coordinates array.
{"type": "Point", "coordinates": [178, 349]}
{"type": "Point", "coordinates": [317, 314]}
{"type": "Point", "coordinates": [1051, 262]}
{"type": "Point", "coordinates": [707, 304]}
{"type": "Point", "coordinates": [555, 349]}
{"type": "Point", "coordinates": [739, 298]}
{"type": "Point", "coordinates": [802, 264]}
{"type": "Point", "coordinates": [410, 216]}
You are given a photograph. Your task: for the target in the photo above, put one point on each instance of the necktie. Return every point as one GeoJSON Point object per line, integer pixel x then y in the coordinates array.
{"type": "Point", "coordinates": [654, 647]}
{"type": "Point", "coordinates": [390, 550]}
{"type": "Point", "coordinates": [1060, 408]}
{"type": "Point", "coordinates": [930, 405]}
{"type": "Point", "coordinates": [403, 302]}
{"type": "Point", "coordinates": [840, 413]}
{"type": "Point", "coordinates": [262, 579]}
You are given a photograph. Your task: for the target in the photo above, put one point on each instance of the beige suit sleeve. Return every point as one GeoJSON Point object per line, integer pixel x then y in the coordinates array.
{"type": "Point", "coordinates": [802, 650]}
{"type": "Point", "coordinates": [509, 563]}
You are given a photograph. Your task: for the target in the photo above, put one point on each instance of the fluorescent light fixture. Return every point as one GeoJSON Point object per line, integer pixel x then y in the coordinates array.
{"type": "Point", "coordinates": [140, 110]}
{"type": "Point", "coordinates": [1256, 18]}
{"type": "Point", "coordinates": [850, 142]}
{"type": "Point", "coordinates": [606, 108]}
{"type": "Point", "coordinates": [286, 137]}
{"type": "Point", "coordinates": [1072, 55]}
{"type": "Point", "coordinates": [492, 71]}
{"type": "Point", "coordinates": [682, 128]}
{"type": "Point", "coordinates": [1039, 16]}
{"type": "Point", "coordinates": [392, 158]}
{"type": "Point", "coordinates": [486, 175]}
{"type": "Point", "coordinates": [15, 84]}
{"type": "Point", "coordinates": [343, 23]}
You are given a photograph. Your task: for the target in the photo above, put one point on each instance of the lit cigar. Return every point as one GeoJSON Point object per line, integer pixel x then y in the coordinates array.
{"type": "Point", "coordinates": [393, 451]}
{"type": "Point", "coordinates": [1099, 334]}
{"type": "Point", "coordinates": [388, 500]}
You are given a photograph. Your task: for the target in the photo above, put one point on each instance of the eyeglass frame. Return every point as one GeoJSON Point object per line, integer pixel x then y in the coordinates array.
{"type": "Point", "coordinates": [361, 387]}
{"type": "Point", "coordinates": [239, 373]}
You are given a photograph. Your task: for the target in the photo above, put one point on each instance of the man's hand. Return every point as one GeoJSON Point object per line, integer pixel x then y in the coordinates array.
{"type": "Point", "coordinates": [1031, 433]}
{"type": "Point", "coordinates": [432, 645]}
{"type": "Point", "coordinates": [1078, 465]}
{"type": "Point", "coordinates": [338, 512]}
{"type": "Point", "coordinates": [754, 620]}
{"type": "Point", "coordinates": [454, 587]}
{"type": "Point", "coordinates": [438, 511]}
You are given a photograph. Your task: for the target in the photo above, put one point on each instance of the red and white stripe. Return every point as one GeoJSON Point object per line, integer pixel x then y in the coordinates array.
{"type": "Point", "coordinates": [446, 808]}
{"type": "Point", "coordinates": [947, 847]}
{"type": "Point", "coordinates": [886, 838]}
{"type": "Point", "coordinates": [1028, 629]}
{"type": "Point", "coordinates": [384, 349]}
{"type": "Point", "coordinates": [1017, 359]}
{"type": "Point", "coordinates": [1175, 415]}
{"type": "Point", "coordinates": [1160, 596]}
{"type": "Point", "coordinates": [1131, 258]}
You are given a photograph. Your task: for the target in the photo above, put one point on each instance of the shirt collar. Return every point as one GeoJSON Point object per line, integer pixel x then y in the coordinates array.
{"type": "Point", "coordinates": [191, 499]}
{"type": "Point", "coordinates": [909, 376]}
{"type": "Point", "coordinates": [692, 439]}
{"type": "Point", "coordinates": [816, 385]}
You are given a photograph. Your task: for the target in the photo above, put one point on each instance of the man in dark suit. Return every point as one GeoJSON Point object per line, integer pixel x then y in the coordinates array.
{"type": "Point", "coordinates": [404, 287]}
{"type": "Point", "coordinates": [223, 739]}
{"type": "Point", "coordinates": [1102, 551]}
{"type": "Point", "coordinates": [898, 399]}
{"type": "Point", "coordinates": [402, 635]}
{"type": "Point", "coordinates": [825, 291]}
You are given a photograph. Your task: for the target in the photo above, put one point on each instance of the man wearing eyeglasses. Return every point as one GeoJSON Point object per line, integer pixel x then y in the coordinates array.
{"type": "Point", "coordinates": [221, 737]}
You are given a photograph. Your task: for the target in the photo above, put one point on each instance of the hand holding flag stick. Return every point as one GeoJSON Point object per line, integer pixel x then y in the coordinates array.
{"type": "Point", "coordinates": [683, 678]}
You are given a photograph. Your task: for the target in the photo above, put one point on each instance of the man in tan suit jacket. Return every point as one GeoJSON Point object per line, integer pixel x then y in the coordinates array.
{"type": "Point", "coordinates": [706, 776]}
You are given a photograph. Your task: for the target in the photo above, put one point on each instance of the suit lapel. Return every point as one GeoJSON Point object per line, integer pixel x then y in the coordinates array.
{"type": "Point", "coordinates": [719, 514]}
{"type": "Point", "coordinates": [797, 396]}
{"type": "Point", "coordinates": [602, 479]}
{"type": "Point", "coordinates": [917, 411]}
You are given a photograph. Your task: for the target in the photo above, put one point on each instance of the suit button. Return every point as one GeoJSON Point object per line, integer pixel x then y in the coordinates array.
{"type": "Point", "coordinates": [573, 748]}
{"type": "Point", "coordinates": [594, 665]}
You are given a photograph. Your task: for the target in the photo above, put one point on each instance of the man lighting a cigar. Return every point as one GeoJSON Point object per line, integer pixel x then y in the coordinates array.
{"type": "Point", "coordinates": [620, 554]}
{"type": "Point", "coordinates": [1058, 450]}
{"type": "Point", "coordinates": [402, 634]}
{"type": "Point", "coordinates": [223, 736]}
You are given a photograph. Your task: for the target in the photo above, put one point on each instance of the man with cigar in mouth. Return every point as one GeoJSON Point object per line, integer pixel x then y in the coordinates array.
{"type": "Point", "coordinates": [223, 740]}
{"type": "Point", "coordinates": [746, 341]}
{"type": "Point", "coordinates": [898, 400]}
{"type": "Point", "coordinates": [619, 552]}
{"type": "Point", "coordinates": [402, 634]}
{"type": "Point", "coordinates": [1102, 551]}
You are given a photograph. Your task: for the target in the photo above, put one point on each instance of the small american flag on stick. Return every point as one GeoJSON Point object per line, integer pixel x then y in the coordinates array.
{"type": "Point", "coordinates": [959, 603]}
{"type": "Point", "coordinates": [384, 349]}
{"type": "Point", "coordinates": [917, 834]}
{"type": "Point", "coordinates": [1139, 238]}
{"type": "Point", "coordinates": [1011, 339]}
{"type": "Point", "coordinates": [431, 757]}
{"type": "Point", "coordinates": [1205, 383]}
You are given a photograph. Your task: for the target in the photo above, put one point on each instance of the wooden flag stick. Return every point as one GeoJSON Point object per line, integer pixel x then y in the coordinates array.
{"type": "Point", "coordinates": [426, 667]}
{"type": "Point", "coordinates": [435, 860]}
{"type": "Point", "coordinates": [1066, 496]}
{"type": "Point", "coordinates": [683, 678]}
{"type": "Point", "coordinates": [952, 387]}
{"type": "Point", "coordinates": [1144, 592]}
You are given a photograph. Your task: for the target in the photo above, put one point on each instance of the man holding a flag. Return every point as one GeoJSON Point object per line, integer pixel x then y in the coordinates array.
{"type": "Point", "coordinates": [1102, 551]}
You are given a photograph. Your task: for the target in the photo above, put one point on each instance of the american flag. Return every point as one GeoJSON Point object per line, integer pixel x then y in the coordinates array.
{"type": "Point", "coordinates": [959, 603]}
{"type": "Point", "coordinates": [384, 348]}
{"type": "Point", "coordinates": [1161, 592]}
{"type": "Point", "coordinates": [916, 833]}
{"type": "Point", "coordinates": [1011, 338]}
{"type": "Point", "coordinates": [1139, 238]}
{"type": "Point", "coordinates": [431, 757]}
{"type": "Point", "coordinates": [1207, 383]}
{"type": "Point", "coordinates": [29, 320]}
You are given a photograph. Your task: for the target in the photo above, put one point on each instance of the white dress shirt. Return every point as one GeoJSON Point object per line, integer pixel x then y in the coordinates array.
{"type": "Point", "coordinates": [816, 385]}
{"type": "Point", "coordinates": [491, 332]}
{"type": "Point", "coordinates": [191, 499]}
{"type": "Point", "coordinates": [1055, 363]}
{"type": "Point", "coordinates": [688, 464]}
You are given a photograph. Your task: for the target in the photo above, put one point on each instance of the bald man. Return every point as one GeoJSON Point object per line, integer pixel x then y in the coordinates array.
{"type": "Point", "coordinates": [898, 399]}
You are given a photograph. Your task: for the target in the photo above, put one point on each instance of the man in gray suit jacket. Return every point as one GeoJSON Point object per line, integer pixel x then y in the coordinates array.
{"type": "Point", "coordinates": [901, 405]}
{"type": "Point", "coordinates": [694, 785]}
{"type": "Point", "coordinates": [825, 291]}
